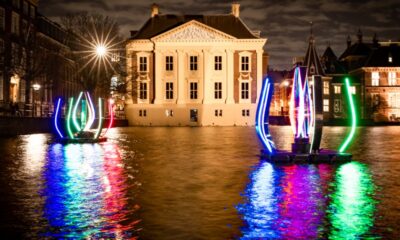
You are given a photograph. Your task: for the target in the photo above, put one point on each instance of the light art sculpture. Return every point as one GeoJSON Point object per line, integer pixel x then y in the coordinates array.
{"type": "Point", "coordinates": [306, 118]}
{"type": "Point", "coordinates": [80, 119]}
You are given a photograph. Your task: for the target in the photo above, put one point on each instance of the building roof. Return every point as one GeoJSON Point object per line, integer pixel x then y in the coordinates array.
{"type": "Point", "coordinates": [357, 49]}
{"type": "Point", "coordinates": [311, 60]}
{"type": "Point", "coordinates": [329, 54]}
{"type": "Point", "coordinates": [161, 23]}
{"type": "Point", "coordinates": [379, 57]}
{"type": "Point", "coordinates": [330, 63]}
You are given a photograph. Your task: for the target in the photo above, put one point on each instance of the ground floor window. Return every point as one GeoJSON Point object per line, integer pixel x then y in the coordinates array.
{"type": "Point", "coordinates": [169, 90]}
{"type": "Point", "coordinates": [143, 90]}
{"type": "Point", "coordinates": [218, 90]}
{"type": "Point", "coordinates": [245, 112]}
{"type": "Point", "coordinates": [193, 90]}
{"type": "Point", "coordinates": [326, 105]}
{"type": "Point", "coordinates": [337, 106]}
{"type": "Point", "coordinates": [218, 112]}
{"type": "Point", "coordinates": [394, 100]}
{"type": "Point", "coordinates": [244, 90]}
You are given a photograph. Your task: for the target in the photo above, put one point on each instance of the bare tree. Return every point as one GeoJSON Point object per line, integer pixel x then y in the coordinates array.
{"type": "Point", "coordinates": [89, 34]}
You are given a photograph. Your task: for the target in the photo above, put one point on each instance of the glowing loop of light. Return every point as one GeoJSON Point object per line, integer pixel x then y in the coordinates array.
{"type": "Point", "coordinates": [100, 124]}
{"type": "Point", "coordinates": [262, 116]}
{"type": "Point", "coordinates": [56, 117]}
{"type": "Point", "coordinates": [353, 119]}
{"type": "Point", "coordinates": [111, 112]}
{"type": "Point", "coordinates": [302, 119]}
{"type": "Point", "coordinates": [68, 121]}
{"type": "Point", "coordinates": [74, 120]}
{"type": "Point", "coordinates": [72, 125]}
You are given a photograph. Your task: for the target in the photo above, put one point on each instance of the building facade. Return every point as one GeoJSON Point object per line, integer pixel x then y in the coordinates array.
{"type": "Point", "coordinates": [194, 70]}
{"type": "Point", "coordinates": [34, 63]}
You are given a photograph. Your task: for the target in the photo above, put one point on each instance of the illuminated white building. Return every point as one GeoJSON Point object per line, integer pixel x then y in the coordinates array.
{"type": "Point", "coordinates": [194, 70]}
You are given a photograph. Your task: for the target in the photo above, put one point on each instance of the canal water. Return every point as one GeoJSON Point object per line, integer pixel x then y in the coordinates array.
{"type": "Point", "coordinates": [197, 183]}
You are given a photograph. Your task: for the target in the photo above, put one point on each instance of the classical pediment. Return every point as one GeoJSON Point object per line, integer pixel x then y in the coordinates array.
{"type": "Point", "coordinates": [193, 31]}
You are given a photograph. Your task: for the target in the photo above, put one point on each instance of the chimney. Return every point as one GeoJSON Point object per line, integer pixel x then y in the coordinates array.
{"type": "Point", "coordinates": [154, 10]}
{"type": "Point", "coordinates": [235, 9]}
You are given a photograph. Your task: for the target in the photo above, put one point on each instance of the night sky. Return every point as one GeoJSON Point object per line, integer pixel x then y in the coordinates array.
{"type": "Point", "coordinates": [285, 23]}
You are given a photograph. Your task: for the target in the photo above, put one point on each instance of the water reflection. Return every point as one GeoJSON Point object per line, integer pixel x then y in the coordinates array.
{"type": "Point", "coordinates": [351, 212]}
{"type": "Point", "coordinates": [291, 202]}
{"type": "Point", "coordinates": [85, 192]}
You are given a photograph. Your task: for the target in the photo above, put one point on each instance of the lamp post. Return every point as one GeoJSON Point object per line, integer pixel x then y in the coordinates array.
{"type": "Point", "coordinates": [35, 87]}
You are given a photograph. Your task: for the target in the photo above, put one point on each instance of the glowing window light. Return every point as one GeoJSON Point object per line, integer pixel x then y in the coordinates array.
{"type": "Point", "coordinates": [70, 134]}
{"type": "Point", "coordinates": [92, 113]}
{"type": "Point", "coordinates": [263, 114]}
{"type": "Point", "coordinates": [99, 127]}
{"type": "Point", "coordinates": [110, 110]}
{"type": "Point", "coordinates": [353, 119]}
{"type": "Point", "coordinates": [56, 117]}
{"type": "Point", "coordinates": [75, 122]}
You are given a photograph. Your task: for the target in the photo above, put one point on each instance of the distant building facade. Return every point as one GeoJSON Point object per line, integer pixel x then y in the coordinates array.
{"type": "Point", "coordinates": [194, 70]}
{"type": "Point", "coordinates": [33, 52]}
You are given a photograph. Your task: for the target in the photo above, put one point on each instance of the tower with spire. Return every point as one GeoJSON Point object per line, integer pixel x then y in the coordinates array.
{"type": "Point", "coordinates": [311, 59]}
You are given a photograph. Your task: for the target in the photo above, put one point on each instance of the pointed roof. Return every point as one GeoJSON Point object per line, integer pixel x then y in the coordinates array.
{"type": "Point", "coordinates": [311, 60]}
{"type": "Point", "coordinates": [227, 23]}
{"type": "Point", "coordinates": [329, 54]}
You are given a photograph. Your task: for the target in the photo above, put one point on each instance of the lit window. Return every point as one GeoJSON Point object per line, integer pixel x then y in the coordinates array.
{"type": "Point", "coordinates": [218, 90]}
{"type": "Point", "coordinates": [245, 90]}
{"type": "Point", "coordinates": [193, 90]}
{"type": "Point", "coordinates": [353, 90]}
{"type": "Point", "coordinates": [392, 78]}
{"type": "Point", "coordinates": [143, 90]}
{"type": "Point", "coordinates": [169, 113]}
{"type": "Point", "coordinates": [375, 78]}
{"type": "Point", "coordinates": [143, 64]}
{"type": "Point", "coordinates": [245, 64]}
{"type": "Point", "coordinates": [2, 18]}
{"type": "Point", "coordinates": [394, 100]}
{"type": "Point", "coordinates": [337, 89]}
{"type": "Point", "coordinates": [218, 63]}
{"type": "Point", "coordinates": [326, 88]}
{"type": "Point", "coordinates": [193, 63]}
{"type": "Point", "coordinates": [390, 59]}
{"type": "Point", "coordinates": [15, 23]}
{"type": "Point", "coordinates": [326, 105]}
{"type": "Point", "coordinates": [115, 57]}
{"type": "Point", "coordinates": [169, 90]}
{"type": "Point", "coordinates": [336, 106]}
{"type": "Point", "coordinates": [169, 63]}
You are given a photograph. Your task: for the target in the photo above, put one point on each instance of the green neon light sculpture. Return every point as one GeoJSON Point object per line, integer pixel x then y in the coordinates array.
{"type": "Point", "coordinates": [353, 119]}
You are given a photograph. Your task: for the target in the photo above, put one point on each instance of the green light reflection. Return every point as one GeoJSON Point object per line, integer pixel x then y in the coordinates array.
{"type": "Point", "coordinates": [351, 211]}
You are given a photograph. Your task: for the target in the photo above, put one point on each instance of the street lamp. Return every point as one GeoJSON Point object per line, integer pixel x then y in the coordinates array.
{"type": "Point", "coordinates": [35, 87]}
{"type": "Point", "coordinates": [101, 50]}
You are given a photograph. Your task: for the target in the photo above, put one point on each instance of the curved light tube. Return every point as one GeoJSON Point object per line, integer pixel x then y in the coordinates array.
{"type": "Point", "coordinates": [262, 116]}
{"type": "Point", "coordinates": [70, 134]}
{"type": "Point", "coordinates": [76, 124]}
{"type": "Point", "coordinates": [92, 114]}
{"type": "Point", "coordinates": [56, 117]}
{"type": "Point", "coordinates": [110, 110]}
{"type": "Point", "coordinates": [313, 117]}
{"type": "Point", "coordinates": [353, 119]}
{"type": "Point", "coordinates": [100, 124]}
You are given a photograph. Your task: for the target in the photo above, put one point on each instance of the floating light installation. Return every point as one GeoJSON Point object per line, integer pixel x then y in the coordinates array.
{"type": "Point", "coordinates": [80, 130]}
{"type": "Point", "coordinates": [353, 118]}
{"type": "Point", "coordinates": [262, 116]}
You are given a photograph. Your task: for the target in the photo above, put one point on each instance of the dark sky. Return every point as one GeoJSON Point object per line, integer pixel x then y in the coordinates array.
{"type": "Point", "coordinates": [284, 23]}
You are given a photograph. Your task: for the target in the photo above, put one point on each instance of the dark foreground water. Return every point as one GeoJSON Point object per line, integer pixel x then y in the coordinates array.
{"type": "Point", "coordinates": [197, 183]}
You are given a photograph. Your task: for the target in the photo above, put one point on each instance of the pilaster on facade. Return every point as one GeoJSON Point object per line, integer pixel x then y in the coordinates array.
{"type": "Point", "coordinates": [181, 66]}
{"type": "Point", "coordinates": [229, 77]}
{"type": "Point", "coordinates": [259, 72]}
{"type": "Point", "coordinates": [158, 79]}
{"type": "Point", "coordinates": [206, 76]}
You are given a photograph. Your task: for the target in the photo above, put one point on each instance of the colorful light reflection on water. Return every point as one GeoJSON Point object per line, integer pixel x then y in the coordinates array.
{"type": "Point", "coordinates": [308, 202]}
{"type": "Point", "coordinates": [85, 193]}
